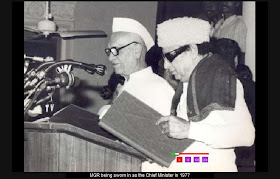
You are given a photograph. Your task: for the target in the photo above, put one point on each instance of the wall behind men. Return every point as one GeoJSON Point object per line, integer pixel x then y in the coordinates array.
{"type": "Point", "coordinates": [98, 15]}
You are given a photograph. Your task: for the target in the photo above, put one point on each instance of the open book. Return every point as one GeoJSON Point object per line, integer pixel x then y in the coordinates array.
{"type": "Point", "coordinates": [134, 122]}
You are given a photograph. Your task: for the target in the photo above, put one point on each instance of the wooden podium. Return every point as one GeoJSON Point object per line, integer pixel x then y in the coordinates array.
{"type": "Point", "coordinates": [76, 145]}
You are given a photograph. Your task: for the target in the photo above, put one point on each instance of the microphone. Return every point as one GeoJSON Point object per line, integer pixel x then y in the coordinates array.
{"type": "Point", "coordinates": [64, 80]}
{"type": "Point", "coordinates": [34, 78]}
{"type": "Point", "coordinates": [39, 59]}
{"type": "Point", "coordinates": [92, 68]}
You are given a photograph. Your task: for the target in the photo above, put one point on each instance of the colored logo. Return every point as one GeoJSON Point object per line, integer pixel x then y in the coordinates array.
{"type": "Point", "coordinates": [179, 159]}
{"type": "Point", "coordinates": [188, 159]}
{"type": "Point", "coordinates": [204, 159]}
{"type": "Point", "coordinates": [193, 157]}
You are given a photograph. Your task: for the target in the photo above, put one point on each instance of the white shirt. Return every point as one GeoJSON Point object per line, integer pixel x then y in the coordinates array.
{"type": "Point", "coordinates": [233, 28]}
{"type": "Point", "coordinates": [215, 27]}
{"type": "Point", "coordinates": [149, 88]}
{"type": "Point", "coordinates": [217, 135]}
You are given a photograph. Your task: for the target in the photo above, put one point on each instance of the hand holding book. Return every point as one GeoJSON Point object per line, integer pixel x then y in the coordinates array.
{"type": "Point", "coordinates": [174, 127]}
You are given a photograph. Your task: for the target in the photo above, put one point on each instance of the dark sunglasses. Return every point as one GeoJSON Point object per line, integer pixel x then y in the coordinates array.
{"type": "Point", "coordinates": [115, 50]}
{"type": "Point", "coordinates": [170, 56]}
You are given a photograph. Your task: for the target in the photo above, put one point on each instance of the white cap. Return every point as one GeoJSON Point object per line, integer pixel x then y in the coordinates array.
{"type": "Point", "coordinates": [182, 31]}
{"type": "Point", "coordinates": [131, 25]}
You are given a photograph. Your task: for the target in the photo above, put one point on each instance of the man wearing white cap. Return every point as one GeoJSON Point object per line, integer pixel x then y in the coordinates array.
{"type": "Point", "coordinates": [126, 50]}
{"type": "Point", "coordinates": [212, 110]}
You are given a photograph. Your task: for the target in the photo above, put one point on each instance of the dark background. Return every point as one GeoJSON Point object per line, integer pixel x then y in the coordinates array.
{"type": "Point", "coordinates": [171, 9]}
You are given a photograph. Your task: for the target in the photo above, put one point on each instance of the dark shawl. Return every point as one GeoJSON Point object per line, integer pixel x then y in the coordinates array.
{"type": "Point", "coordinates": [212, 86]}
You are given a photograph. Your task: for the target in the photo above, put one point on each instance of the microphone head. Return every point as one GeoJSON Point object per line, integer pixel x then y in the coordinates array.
{"type": "Point", "coordinates": [64, 79]}
{"type": "Point", "coordinates": [100, 69]}
{"type": "Point", "coordinates": [69, 80]}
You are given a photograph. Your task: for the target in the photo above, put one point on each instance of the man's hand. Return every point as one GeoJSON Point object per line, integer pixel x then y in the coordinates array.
{"type": "Point", "coordinates": [174, 126]}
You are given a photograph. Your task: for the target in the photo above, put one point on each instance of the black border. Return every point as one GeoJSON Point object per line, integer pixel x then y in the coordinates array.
{"type": "Point", "coordinates": [17, 119]}
{"type": "Point", "coordinates": [6, 95]}
{"type": "Point", "coordinates": [261, 142]}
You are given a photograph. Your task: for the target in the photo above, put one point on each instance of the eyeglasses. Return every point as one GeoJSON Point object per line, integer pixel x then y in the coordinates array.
{"type": "Point", "coordinates": [170, 56]}
{"type": "Point", "coordinates": [115, 50]}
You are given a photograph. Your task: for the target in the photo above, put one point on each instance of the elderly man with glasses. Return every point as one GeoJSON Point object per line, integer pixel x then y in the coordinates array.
{"type": "Point", "coordinates": [211, 109]}
{"type": "Point", "coordinates": [127, 50]}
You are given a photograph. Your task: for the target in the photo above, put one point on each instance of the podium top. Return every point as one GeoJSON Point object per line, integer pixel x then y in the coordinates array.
{"type": "Point", "coordinates": [83, 124]}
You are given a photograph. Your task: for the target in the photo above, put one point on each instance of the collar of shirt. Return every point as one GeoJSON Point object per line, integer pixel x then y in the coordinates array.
{"type": "Point", "coordinates": [135, 78]}
{"type": "Point", "coordinates": [229, 20]}
{"type": "Point", "coordinates": [144, 74]}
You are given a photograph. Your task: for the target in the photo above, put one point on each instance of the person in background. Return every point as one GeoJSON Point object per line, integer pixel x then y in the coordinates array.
{"type": "Point", "coordinates": [228, 49]}
{"type": "Point", "coordinates": [233, 26]}
{"type": "Point", "coordinates": [127, 50]}
{"type": "Point", "coordinates": [153, 56]}
{"type": "Point", "coordinates": [211, 13]}
{"type": "Point", "coordinates": [114, 83]}
{"type": "Point", "coordinates": [155, 60]}
{"type": "Point", "coordinates": [212, 110]}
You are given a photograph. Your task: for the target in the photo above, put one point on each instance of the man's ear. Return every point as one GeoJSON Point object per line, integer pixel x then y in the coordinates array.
{"type": "Point", "coordinates": [193, 50]}
{"type": "Point", "coordinates": [137, 50]}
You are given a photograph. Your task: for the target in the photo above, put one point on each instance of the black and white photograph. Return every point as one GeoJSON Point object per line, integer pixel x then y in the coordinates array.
{"type": "Point", "coordinates": [139, 86]}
